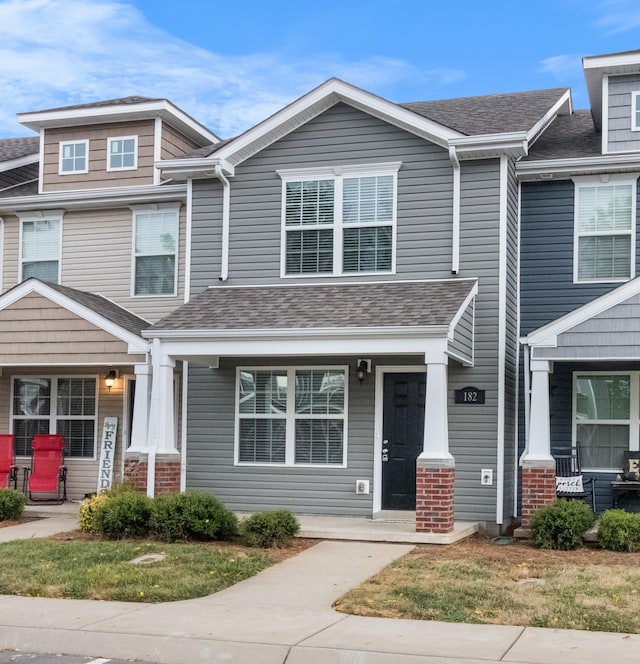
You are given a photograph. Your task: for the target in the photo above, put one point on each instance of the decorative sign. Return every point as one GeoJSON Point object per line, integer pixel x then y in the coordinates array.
{"type": "Point", "coordinates": [469, 395]}
{"type": "Point", "coordinates": [107, 453]}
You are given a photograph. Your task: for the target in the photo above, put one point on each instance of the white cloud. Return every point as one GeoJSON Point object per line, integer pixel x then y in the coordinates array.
{"type": "Point", "coordinates": [620, 16]}
{"type": "Point", "coordinates": [62, 52]}
{"type": "Point", "coordinates": [563, 67]}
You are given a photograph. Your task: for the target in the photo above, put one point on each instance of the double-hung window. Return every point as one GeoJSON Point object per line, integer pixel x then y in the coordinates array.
{"type": "Point", "coordinates": [291, 416]}
{"type": "Point", "coordinates": [122, 153]}
{"type": "Point", "coordinates": [339, 220]}
{"type": "Point", "coordinates": [604, 243]}
{"type": "Point", "coordinates": [155, 251]}
{"type": "Point", "coordinates": [40, 242]}
{"type": "Point", "coordinates": [65, 405]}
{"type": "Point", "coordinates": [74, 157]}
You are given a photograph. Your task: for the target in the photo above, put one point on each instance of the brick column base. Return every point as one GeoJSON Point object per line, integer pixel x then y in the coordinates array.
{"type": "Point", "coordinates": [434, 495]}
{"type": "Point", "coordinates": [538, 488]}
{"type": "Point", "coordinates": [167, 479]}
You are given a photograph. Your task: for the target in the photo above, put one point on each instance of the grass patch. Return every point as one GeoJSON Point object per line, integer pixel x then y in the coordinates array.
{"type": "Point", "coordinates": [516, 585]}
{"type": "Point", "coordinates": [101, 570]}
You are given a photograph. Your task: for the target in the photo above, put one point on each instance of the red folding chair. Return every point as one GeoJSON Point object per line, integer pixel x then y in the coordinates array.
{"type": "Point", "coordinates": [8, 468]}
{"type": "Point", "coordinates": [47, 474]}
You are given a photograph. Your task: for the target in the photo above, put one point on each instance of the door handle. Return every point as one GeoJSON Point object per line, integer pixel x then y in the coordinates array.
{"type": "Point", "coordinates": [385, 451]}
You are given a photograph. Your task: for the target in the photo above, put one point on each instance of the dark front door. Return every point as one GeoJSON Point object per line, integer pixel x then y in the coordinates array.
{"type": "Point", "coordinates": [403, 438]}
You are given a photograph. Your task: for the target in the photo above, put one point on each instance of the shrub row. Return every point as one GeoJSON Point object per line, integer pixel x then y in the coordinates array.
{"type": "Point", "coordinates": [619, 531]}
{"type": "Point", "coordinates": [11, 504]}
{"type": "Point", "coordinates": [123, 513]}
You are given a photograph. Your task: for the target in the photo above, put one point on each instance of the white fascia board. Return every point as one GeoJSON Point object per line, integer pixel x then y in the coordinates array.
{"type": "Point", "coordinates": [463, 307]}
{"type": "Point", "coordinates": [135, 343]}
{"type": "Point", "coordinates": [202, 167]}
{"type": "Point", "coordinates": [20, 161]}
{"type": "Point", "coordinates": [549, 116]}
{"type": "Point", "coordinates": [513, 144]}
{"type": "Point", "coordinates": [121, 112]}
{"type": "Point", "coordinates": [95, 198]}
{"type": "Point", "coordinates": [613, 62]}
{"type": "Point", "coordinates": [546, 336]}
{"type": "Point", "coordinates": [622, 163]}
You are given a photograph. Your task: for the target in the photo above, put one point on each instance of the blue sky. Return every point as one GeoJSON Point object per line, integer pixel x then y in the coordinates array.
{"type": "Point", "coordinates": [232, 64]}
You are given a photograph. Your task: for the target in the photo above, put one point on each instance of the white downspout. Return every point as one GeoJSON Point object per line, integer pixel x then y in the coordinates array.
{"type": "Point", "coordinates": [455, 228]}
{"type": "Point", "coordinates": [226, 202]}
{"type": "Point", "coordinates": [151, 473]}
{"type": "Point", "coordinates": [527, 400]}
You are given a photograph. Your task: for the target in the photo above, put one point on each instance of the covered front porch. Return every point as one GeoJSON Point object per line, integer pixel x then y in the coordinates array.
{"type": "Point", "coordinates": [286, 394]}
{"type": "Point", "coordinates": [584, 373]}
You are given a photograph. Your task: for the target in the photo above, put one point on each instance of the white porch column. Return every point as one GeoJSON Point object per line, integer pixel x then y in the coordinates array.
{"type": "Point", "coordinates": [162, 438]}
{"type": "Point", "coordinates": [140, 423]}
{"type": "Point", "coordinates": [539, 417]}
{"type": "Point", "coordinates": [436, 420]}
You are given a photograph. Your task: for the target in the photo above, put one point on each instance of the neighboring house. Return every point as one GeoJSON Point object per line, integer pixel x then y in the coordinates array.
{"type": "Point", "coordinates": [93, 249]}
{"type": "Point", "coordinates": [352, 336]}
{"type": "Point", "coordinates": [580, 293]}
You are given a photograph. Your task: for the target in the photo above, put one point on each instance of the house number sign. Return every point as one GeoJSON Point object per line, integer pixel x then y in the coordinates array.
{"type": "Point", "coordinates": [469, 395]}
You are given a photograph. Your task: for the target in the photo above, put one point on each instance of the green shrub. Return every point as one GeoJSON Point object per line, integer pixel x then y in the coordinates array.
{"type": "Point", "coordinates": [270, 528]}
{"type": "Point", "coordinates": [11, 504]}
{"type": "Point", "coordinates": [87, 512]}
{"type": "Point", "coordinates": [125, 514]}
{"type": "Point", "coordinates": [619, 531]}
{"type": "Point", "coordinates": [561, 524]}
{"type": "Point", "coordinates": [191, 515]}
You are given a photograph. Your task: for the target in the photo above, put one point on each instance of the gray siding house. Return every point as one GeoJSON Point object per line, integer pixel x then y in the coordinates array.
{"type": "Point", "coordinates": [351, 340]}
{"type": "Point", "coordinates": [580, 287]}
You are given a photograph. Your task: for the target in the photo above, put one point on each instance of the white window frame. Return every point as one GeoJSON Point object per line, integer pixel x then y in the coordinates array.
{"type": "Point", "coordinates": [62, 145]}
{"type": "Point", "coordinates": [635, 109]}
{"type": "Point", "coordinates": [150, 210]}
{"type": "Point", "coordinates": [110, 140]}
{"type": "Point", "coordinates": [338, 174]}
{"type": "Point", "coordinates": [600, 181]}
{"type": "Point", "coordinates": [51, 215]}
{"type": "Point", "coordinates": [634, 412]}
{"type": "Point", "coordinates": [53, 407]}
{"type": "Point", "coordinates": [290, 417]}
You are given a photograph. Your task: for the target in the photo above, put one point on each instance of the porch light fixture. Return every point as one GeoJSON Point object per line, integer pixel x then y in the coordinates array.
{"type": "Point", "coordinates": [110, 379]}
{"type": "Point", "coordinates": [362, 369]}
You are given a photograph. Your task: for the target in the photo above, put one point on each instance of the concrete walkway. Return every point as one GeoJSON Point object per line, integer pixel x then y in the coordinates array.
{"type": "Point", "coordinates": [284, 615]}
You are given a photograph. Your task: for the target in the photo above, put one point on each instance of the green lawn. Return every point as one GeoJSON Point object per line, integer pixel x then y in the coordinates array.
{"type": "Point", "coordinates": [101, 569]}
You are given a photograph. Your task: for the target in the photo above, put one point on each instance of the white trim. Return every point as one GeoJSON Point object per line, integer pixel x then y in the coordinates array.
{"type": "Point", "coordinates": [381, 370]}
{"type": "Point", "coordinates": [605, 113]}
{"type": "Point", "coordinates": [610, 163]}
{"type": "Point", "coordinates": [75, 171]}
{"type": "Point", "coordinates": [135, 211]}
{"type": "Point", "coordinates": [136, 344]}
{"type": "Point", "coordinates": [502, 341]}
{"type": "Point", "coordinates": [183, 426]}
{"type": "Point", "coordinates": [550, 116]}
{"type": "Point", "coordinates": [603, 181]}
{"type": "Point", "coordinates": [111, 139]}
{"type": "Point", "coordinates": [31, 217]}
{"type": "Point", "coordinates": [41, 163]}
{"type": "Point", "coordinates": [2, 234]}
{"type": "Point", "coordinates": [516, 424]}
{"type": "Point", "coordinates": [157, 149]}
{"type": "Point", "coordinates": [455, 224]}
{"type": "Point", "coordinates": [188, 240]}
{"type": "Point", "coordinates": [290, 416]}
{"type": "Point", "coordinates": [337, 175]}
{"type": "Point", "coordinates": [18, 162]}
{"type": "Point", "coordinates": [53, 416]}
{"type": "Point", "coordinates": [635, 110]}
{"type": "Point", "coordinates": [634, 411]}
{"type": "Point", "coordinates": [357, 283]}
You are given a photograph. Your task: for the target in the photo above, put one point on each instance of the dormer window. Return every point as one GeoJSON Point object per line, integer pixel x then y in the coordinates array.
{"type": "Point", "coordinates": [635, 111]}
{"type": "Point", "coordinates": [74, 157]}
{"type": "Point", "coordinates": [122, 153]}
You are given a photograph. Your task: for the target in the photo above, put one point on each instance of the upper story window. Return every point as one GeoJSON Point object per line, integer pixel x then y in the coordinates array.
{"type": "Point", "coordinates": [74, 157]}
{"type": "Point", "coordinates": [635, 111]}
{"type": "Point", "coordinates": [40, 242]}
{"type": "Point", "coordinates": [122, 153]}
{"type": "Point", "coordinates": [339, 220]}
{"type": "Point", "coordinates": [604, 242]}
{"type": "Point", "coordinates": [155, 251]}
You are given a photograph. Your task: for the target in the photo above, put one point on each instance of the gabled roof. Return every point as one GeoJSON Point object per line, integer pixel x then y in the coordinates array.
{"type": "Point", "coordinates": [121, 101]}
{"type": "Point", "coordinates": [416, 304]}
{"type": "Point", "coordinates": [569, 136]}
{"type": "Point", "coordinates": [96, 309]}
{"type": "Point", "coordinates": [476, 126]}
{"type": "Point", "coordinates": [15, 148]}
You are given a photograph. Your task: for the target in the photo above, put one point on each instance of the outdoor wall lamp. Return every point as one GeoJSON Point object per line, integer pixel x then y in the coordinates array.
{"type": "Point", "coordinates": [110, 379]}
{"type": "Point", "coordinates": [362, 369]}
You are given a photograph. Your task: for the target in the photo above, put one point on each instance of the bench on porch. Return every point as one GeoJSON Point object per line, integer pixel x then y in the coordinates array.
{"type": "Point", "coordinates": [627, 484]}
{"type": "Point", "coordinates": [570, 482]}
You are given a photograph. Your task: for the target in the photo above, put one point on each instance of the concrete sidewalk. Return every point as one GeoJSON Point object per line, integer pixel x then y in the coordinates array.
{"type": "Point", "coordinates": [283, 615]}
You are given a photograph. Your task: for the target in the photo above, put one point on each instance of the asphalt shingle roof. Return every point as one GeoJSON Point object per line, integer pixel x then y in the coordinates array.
{"type": "Point", "coordinates": [122, 101]}
{"type": "Point", "coordinates": [115, 313]}
{"type": "Point", "coordinates": [14, 148]}
{"type": "Point", "coordinates": [569, 136]}
{"type": "Point", "coordinates": [321, 306]}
